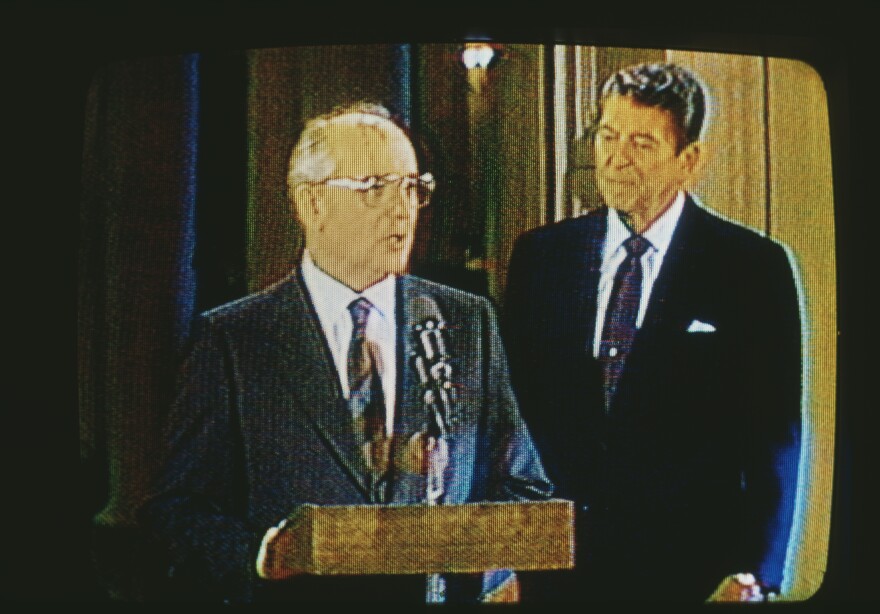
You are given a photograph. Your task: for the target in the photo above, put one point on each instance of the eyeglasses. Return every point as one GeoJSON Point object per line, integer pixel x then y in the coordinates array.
{"type": "Point", "coordinates": [375, 190]}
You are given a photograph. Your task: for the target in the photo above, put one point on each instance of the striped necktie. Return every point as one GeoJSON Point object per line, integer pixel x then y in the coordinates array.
{"type": "Point", "coordinates": [366, 399]}
{"type": "Point", "coordinates": [619, 329]}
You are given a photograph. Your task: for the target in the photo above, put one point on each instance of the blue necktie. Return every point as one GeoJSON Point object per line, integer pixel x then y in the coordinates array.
{"type": "Point", "coordinates": [619, 329]}
{"type": "Point", "coordinates": [366, 399]}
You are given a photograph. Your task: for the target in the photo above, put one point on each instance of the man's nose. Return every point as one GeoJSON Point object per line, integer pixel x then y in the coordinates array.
{"type": "Point", "coordinates": [618, 155]}
{"type": "Point", "coordinates": [621, 156]}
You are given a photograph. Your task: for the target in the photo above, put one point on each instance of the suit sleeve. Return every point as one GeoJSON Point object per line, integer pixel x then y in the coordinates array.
{"type": "Point", "coordinates": [197, 512]}
{"type": "Point", "coordinates": [773, 446]}
{"type": "Point", "coordinates": [516, 298]}
{"type": "Point", "coordinates": [520, 287]}
{"type": "Point", "coordinates": [517, 473]}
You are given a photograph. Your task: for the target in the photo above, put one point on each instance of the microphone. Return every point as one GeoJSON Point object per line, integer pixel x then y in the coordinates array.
{"type": "Point", "coordinates": [435, 376]}
{"type": "Point", "coordinates": [431, 363]}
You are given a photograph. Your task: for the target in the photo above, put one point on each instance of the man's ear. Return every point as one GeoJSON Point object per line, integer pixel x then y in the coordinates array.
{"type": "Point", "coordinates": [692, 158]}
{"type": "Point", "coordinates": [308, 206]}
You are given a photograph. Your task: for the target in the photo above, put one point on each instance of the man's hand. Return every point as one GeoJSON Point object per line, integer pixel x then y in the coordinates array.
{"type": "Point", "coordinates": [269, 563]}
{"type": "Point", "coordinates": [739, 587]}
{"type": "Point", "coordinates": [418, 451]}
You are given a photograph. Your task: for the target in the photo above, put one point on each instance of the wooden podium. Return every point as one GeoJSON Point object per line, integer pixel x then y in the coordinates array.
{"type": "Point", "coordinates": [425, 539]}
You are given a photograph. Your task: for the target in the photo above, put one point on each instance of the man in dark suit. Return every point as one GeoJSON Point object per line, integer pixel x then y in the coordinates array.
{"type": "Point", "coordinates": [655, 351]}
{"type": "Point", "coordinates": [305, 392]}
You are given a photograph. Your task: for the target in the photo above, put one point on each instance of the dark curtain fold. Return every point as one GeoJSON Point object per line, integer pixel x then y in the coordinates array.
{"type": "Point", "coordinates": [136, 284]}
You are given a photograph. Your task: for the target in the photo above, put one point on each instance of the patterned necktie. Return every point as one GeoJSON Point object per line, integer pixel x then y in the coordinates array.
{"type": "Point", "coordinates": [620, 317]}
{"type": "Point", "coordinates": [366, 399]}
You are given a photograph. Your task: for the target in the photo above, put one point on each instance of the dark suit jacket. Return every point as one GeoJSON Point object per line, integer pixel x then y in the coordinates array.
{"type": "Point", "coordinates": [693, 472]}
{"type": "Point", "coordinates": [261, 426]}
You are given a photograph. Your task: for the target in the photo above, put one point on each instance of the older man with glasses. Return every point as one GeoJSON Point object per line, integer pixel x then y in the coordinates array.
{"type": "Point", "coordinates": [305, 392]}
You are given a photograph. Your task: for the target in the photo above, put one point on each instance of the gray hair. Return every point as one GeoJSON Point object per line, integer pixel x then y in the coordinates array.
{"type": "Point", "coordinates": [668, 87]}
{"type": "Point", "coordinates": [311, 159]}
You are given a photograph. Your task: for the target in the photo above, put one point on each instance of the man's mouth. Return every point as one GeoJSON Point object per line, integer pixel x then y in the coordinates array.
{"type": "Point", "coordinates": [615, 181]}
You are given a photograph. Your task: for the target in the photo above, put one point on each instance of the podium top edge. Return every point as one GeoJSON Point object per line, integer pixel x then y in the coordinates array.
{"type": "Point", "coordinates": [553, 502]}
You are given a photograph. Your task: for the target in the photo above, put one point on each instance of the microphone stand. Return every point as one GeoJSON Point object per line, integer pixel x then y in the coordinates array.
{"type": "Point", "coordinates": [434, 374]}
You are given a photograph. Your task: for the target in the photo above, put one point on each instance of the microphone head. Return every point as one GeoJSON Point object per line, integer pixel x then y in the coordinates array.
{"type": "Point", "coordinates": [424, 309]}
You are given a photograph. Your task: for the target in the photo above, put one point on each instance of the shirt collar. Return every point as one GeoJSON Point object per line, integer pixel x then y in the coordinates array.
{"type": "Point", "coordinates": [332, 297]}
{"type": "Point", "coordinates": [658, 234]}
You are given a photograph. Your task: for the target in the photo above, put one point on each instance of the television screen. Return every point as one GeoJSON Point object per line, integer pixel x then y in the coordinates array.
{"type": "Point", "coordinates": [184, 205]}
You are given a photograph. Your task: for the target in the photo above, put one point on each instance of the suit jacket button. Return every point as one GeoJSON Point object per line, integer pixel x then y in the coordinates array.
{"type": "Point", "coordinates": [585, 508]}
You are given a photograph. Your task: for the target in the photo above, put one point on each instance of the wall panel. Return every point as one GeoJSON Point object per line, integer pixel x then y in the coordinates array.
{"type": "Point", "coordinates": [734, 173]}
{"type": "Point", "coordinates": [522, 174]}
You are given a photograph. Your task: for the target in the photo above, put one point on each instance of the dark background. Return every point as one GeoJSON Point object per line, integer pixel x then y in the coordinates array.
{"type": "Point", "coordinates": [51, 51]}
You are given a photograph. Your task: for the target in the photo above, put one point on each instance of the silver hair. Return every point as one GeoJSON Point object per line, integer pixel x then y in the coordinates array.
{"type": "Point", "coordinates": [311, 159]}
{"type": "Point", "coordinates": [669, 87]}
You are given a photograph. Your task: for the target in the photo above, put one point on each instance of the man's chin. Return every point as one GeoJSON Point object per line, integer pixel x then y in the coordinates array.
{"type": "Point", "coordinates": [400, 268]}
{"type": "Point", "coordinates": [621, 206]}
{"type": "Point", "coordinates": [394, 264]}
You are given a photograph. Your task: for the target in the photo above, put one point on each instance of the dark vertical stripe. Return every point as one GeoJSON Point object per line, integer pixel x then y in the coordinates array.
{"type": "Point", "coordinates": [186, 276]}
{"type": "Point", "coordinates": [401, 72]}
{"type": "Point", "coordinates": [91, 326]}
{"type": "Point", "coordinates": [767, 166]}
{"type": "Point", "coordinates": [549, 133]}
{"type": "Point", "coordinates": [415, 85]}
{"type": "Point", "coordinates": [221, 179]}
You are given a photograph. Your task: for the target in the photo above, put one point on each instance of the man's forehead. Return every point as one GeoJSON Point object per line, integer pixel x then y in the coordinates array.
{"type": "Point", "coordinates": [624, 113]}
{"type": "Point", "coordinates": [370, 149]}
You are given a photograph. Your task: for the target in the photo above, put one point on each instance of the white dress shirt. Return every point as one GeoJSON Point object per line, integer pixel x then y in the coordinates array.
{"type": "Point", "coordinates": [331, 299]}
{"type": "Point", "coordinates": [659, 235]}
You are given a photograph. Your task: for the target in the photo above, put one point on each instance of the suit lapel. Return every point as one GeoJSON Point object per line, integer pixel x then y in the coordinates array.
{"type": "Point", "coordinates": [670, 300]}
{"type": "Point", "coordinates": [410, 415]}
{"type": "Point", "coordinates": [676, 273]}
{"type": "Point", "coordinates": [317, 389]}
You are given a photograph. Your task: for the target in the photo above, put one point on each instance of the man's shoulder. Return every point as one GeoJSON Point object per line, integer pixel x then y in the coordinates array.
{"type": "Point", "coordinates": [590, 222]}
{"type": "Point", "coordinates": [729, 234]}
{"type": "Point", "coordinates": [562, 237]}
{"type": "Point", "coordinates": [255, 304]}
{"type": "Point", "coordinates": [419, 286]}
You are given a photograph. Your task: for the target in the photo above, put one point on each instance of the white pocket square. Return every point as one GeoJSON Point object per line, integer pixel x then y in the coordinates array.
{"type": "Point", "coordinates": [700, 327]}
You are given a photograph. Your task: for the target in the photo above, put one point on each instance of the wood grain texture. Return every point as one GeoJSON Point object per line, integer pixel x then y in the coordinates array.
{"type": "Point", "coordinates": [415, 539]}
